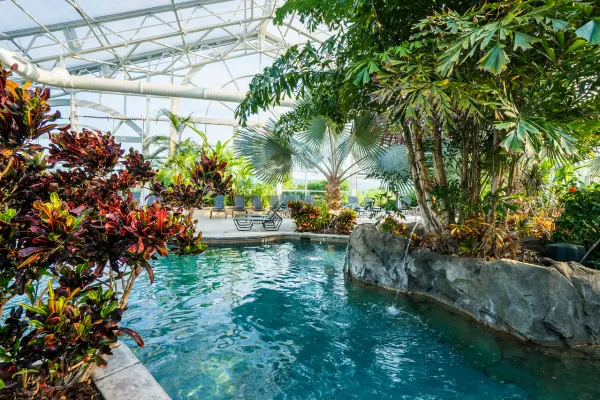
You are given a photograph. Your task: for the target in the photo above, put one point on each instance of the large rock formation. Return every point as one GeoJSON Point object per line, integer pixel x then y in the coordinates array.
{"type": "Point", "coordinates": [547, 305]}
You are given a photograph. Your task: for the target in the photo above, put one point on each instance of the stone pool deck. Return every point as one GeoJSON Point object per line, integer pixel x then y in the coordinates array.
{"type": "Point", "coordinates": [222, 230]}
{"type": "Point", "coordinates": [125, 377]}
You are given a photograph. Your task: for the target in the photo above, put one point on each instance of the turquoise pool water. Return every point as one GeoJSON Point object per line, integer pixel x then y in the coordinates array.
{"type": "Point", "coordinates": [280, 321]}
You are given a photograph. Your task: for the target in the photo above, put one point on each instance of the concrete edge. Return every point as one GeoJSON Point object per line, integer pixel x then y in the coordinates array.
{"type": "Point", "coordinates": [125, 377]}
{"type": "Point", "coordinates": [275, 236]}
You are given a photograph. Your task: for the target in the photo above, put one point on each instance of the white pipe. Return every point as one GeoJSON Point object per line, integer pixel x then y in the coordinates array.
{"type": "Point", "coordinates": [60, 77]}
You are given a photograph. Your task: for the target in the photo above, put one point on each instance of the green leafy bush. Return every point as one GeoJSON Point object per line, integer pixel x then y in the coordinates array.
{"type": "Point", "coordinates": [318, 219]}
{"type": "Point", "coordinates": [579, 222]}
{"type": "Point", "coordinates": [68, 218]}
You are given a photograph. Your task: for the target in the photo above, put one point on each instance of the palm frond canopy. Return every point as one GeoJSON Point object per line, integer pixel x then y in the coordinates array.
{"type": "Point", "coordinates": [319, 147]}
{"type": "Point", "coordinates": [271, 158]}
{"type": "Point", "coordinates": [594, 166]}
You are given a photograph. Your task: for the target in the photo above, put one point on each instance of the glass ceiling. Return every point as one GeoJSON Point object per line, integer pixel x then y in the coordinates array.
{"type": "Point", "coordinates": [203, 43]}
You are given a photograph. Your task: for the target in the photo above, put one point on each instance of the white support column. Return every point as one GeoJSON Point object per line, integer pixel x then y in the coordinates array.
{"type": "Point", "coordinates": [305, 183]}
{"type": "Point", "coordinates": [73, 112]}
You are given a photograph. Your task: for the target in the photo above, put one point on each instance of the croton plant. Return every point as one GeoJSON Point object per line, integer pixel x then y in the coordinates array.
{"type": "Point", "coordinates": [72, 242]}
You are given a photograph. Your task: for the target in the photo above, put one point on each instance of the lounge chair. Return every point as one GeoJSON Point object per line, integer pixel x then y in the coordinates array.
{"type": "Point", "coordinates": [370, 207]}
{"type": "Point", "coordinates": [293, 197]}
{"type": "Point", "coordinates": [273, 201]}
{"type": "Point", "coordinates": [239, 205]}
{"type": "Point", "coordinates": [270, 222]}
{"type": "Point", "coordinates": [285, 211]}
{"type": "Point", "coordinates": [352, 203]}
{"type": "Point", "coordinates": [219, 206]}
{"type": "Point", "coordinates": [257, 204]}
{"type": "Point", "coordinates": [284, 201]}
{"type": "Point", "coordinates": [309, 199]}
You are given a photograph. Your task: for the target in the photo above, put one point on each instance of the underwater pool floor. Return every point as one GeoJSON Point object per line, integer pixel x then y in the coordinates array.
{"type": "Point", "coordinates": [281, 321]}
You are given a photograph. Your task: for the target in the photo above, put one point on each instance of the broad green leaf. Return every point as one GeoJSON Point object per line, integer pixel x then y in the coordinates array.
{"type": "Point", "coordinates": [512, 143]}
{"type": "Point", "coordinates": [495, 60]}
{"type": "Point", "coordinates": [559, 24]}
{"type": "Point", "coordinates": [576, 45]}
{"type": "Point", "coordinates": [2, 385]}
{"type": "Point", "coordinates": [590, 32]}
{"type": "Point", "coordinates": [504, 125]}
{"type": "Point", "coordinates": [524, 41]}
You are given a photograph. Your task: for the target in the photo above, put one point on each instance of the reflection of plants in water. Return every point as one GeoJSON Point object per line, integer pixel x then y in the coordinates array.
{"type": "Point", "coordinates": [545, 373]}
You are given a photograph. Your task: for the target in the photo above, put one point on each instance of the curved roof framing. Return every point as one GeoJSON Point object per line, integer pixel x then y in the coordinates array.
{"type": "Point", "coordinates": [158, 37]}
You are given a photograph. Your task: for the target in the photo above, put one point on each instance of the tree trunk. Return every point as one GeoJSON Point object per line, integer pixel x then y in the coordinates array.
{"type": "Point", "coordinates": [440, 171]}
{"type": "Point", "coordinates": [495, 182]}
{"type": "Point", "coordinates": [333, 195]}
{"type": "Point", "coordinates": [429, 221]}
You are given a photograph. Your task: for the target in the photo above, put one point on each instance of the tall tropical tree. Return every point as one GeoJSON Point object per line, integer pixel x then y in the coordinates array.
{"type": "Point", "coordinates": [336, 155]}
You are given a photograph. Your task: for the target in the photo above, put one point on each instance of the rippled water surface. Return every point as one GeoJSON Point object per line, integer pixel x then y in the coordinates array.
{"type": "Point", "coordinates": [280, 322]}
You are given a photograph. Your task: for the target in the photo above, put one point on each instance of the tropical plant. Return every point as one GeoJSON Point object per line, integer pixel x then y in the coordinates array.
{"type": "Point", "coordinates": [336, 155]}
{"type": "Point", "coordinates": [472, 89]}
{"type": "Point", "coordinates": [318, 218]}
{"type": "Point", "coordinates": [579, 223]}
{"type": "Point", "coordinates": [204, 179]}
{"type": "Point", "coordinates": [305, 215]}
{"type": "Point", "coordinates": [342, 223]}
{"type": "Point", "coordinates": [67, 215]}
{"type": "Point", "coordinates": [390, 224]}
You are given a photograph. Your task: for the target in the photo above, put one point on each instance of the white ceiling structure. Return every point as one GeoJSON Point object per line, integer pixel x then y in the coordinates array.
{"type": "Point", "coordinates": [201, 44]}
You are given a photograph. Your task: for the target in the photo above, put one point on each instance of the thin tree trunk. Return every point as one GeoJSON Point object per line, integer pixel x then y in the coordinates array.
{"type": "Point", "coordinates": [440, 171]}
{"type": "Point", "coordinates": [428, 219]}
{"type": "Point", "coordinates": [494, 182]}
{"type": "Point", "coordinates": [426, 182]}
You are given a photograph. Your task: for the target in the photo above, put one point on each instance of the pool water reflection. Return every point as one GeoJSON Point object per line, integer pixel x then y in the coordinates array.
{"type": "Point", "coordinates": [280, 321]}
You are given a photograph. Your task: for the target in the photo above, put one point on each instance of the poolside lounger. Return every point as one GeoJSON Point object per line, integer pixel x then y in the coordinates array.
{"type": "Point", "coordinates": [284, 210]}
{"type": "Point", "coordinates": [239, 205]}
{"type": "Point", "coordinates": [273, 201]}
{"type": "Point", "coordinates": [352, 203]}
{"type": "Point", "coordinates": [219, 206]}
{"type": "Point", "coordinates": [270, 222]}
{"type": "Point", "coordinates": [257, 203]}
{"type": "Point", "coordinates": [309, 199]}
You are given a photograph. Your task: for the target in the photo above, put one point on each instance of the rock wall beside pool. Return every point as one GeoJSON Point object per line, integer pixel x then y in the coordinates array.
{"type": "Point", "coordinates": [555, 305]}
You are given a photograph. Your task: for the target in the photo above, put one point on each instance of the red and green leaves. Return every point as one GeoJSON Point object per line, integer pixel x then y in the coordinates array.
{"type": "Point", "coordinates": [72, 222]}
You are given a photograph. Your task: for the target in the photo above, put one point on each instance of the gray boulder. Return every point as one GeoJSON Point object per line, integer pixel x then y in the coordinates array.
{"type": "Point", "coordinates": [557, 305]}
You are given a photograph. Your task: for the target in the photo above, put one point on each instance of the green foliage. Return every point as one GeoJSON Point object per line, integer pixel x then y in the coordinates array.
{"type": "Point", "coordinates": [305, 216]}
{"type": "Point", "coordinates": [319, 147]}
{"type": "Point", "coordinates": [325, 75]}
{"type": "Point", "coordinates": [475, 238]}
{"type": "Point", "coordinates": [66, 212]}
{"type": "Point", "coordinates": [318, 219]}
{"type": "Point", "coordinates": [392, 225]}
{"type": "Point", "coordinates": [579, 223]}
{"type": "Point", "coordinates": [320, 185]}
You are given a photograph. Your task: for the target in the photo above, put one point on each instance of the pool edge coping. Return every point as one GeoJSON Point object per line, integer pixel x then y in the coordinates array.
{"type": "Point", "coordinates": [125, 377]}
{"type": "Point", "coordinates": [276, 236]}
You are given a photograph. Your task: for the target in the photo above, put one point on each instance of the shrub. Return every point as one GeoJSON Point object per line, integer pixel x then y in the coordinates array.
{"type": "Point", "coordinates": [392, 225]}
{"type": "Point", "coordinates": [69, 217]}
{"type": "Point", "coordinates": [343, 222]}
{"type": "Point", "coordinates": [475, 238]}
{"type": "Point", "coordinates": [318, 219]}
{"type": "Point", "coordinates": [579, 222]}
{"type": "Point", "coordinates": [304, 215]}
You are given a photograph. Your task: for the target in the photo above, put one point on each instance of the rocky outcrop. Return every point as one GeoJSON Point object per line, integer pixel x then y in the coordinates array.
{"type": "Point", "coordinates": [557, 305]}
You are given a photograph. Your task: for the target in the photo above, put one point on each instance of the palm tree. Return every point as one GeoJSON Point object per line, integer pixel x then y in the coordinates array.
{"type": "Point", "coordinates": [338, 156]}
{"type": "Point", "coordinates": [594, 166]}
{"type": "Point", "coordinates": [171, 154]}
